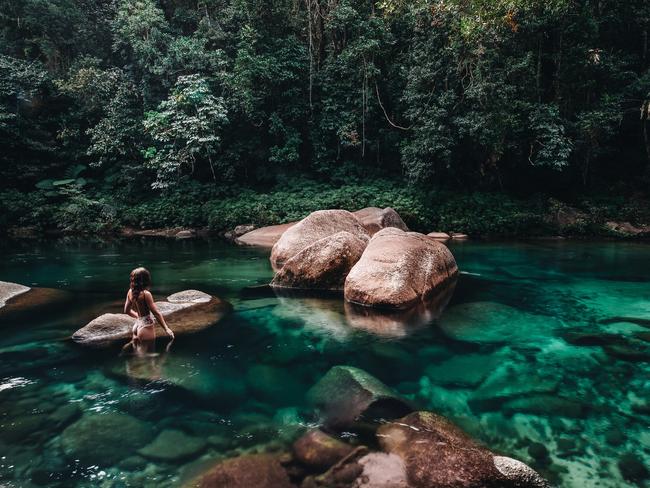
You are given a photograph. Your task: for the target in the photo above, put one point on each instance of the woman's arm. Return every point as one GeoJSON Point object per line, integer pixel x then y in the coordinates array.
{"type": "Point", "coordinates": [156, 313]}
{"type": "Point", "coordinates": [128, 306]}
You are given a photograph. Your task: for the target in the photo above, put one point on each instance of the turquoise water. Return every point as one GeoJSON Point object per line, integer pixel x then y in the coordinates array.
{"type": "Point", "coordinates": [539, 354]}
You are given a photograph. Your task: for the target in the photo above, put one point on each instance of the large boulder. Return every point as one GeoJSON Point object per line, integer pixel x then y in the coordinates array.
{"type": "Point", "coordinates": [322, 265]}
{"type": "Point", "coordinates": [173, 446]}
{"type": "Point", "coordinates": [315, 226]}
{"type": "Point", "coordinates": [374, 219]}
{"type": "Point", "coordinates": [16, 298]}
{"type": "Point", "coordinates": [437, 453]}
{"type": "Point", "coordinates": [399, 270]}
{"type": "Point", "coordinates": [186, 312]}
{"type": "Point", "coordinates": [347, 395]}
{"type": "Point", "coordinates": [258, 470]}
{"type": "Point", "coordinates": [264, 237]}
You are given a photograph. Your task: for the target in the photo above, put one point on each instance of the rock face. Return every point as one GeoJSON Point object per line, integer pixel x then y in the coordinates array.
{"type": "Point", "coordinates": [18, 298]}
{"type": "Point", "coordinates": [264, 237]}
{"type": "Point", "coordinates": [346, 395]}
{"type": "Point", "coordinates": [400, 269]}
{"type": "Point", "coordinates": [318, 450]}
{"type": "Point", "coordinates": [458, 460]}
{"type": "Point", "coordinates": [374, 219]}
{"type": "Point", "coordinates": [186, 312]}
{"type": "Point", "coordinates": [104, 439]}
{"type": "Point", "coordinates": [322, 265]}
{"type": "Point", "coordinates": [315, 226]}
{"type": "Point", "coordinates": [259, 471]}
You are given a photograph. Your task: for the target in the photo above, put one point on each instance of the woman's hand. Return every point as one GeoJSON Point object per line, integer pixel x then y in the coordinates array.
{"type": "Point", "coordinates": [170, 333]}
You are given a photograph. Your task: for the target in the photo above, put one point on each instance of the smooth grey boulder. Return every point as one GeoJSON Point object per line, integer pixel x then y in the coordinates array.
{"type": "Point", "coordinates": [186, 312]}
{"type": "Point", "coordinates": [347, 395]}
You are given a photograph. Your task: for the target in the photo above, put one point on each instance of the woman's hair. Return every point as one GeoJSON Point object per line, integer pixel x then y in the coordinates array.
{"type": "Point", "coordinates": [140, 281]}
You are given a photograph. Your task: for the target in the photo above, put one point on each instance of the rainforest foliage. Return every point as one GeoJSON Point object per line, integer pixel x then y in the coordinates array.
{"type": "Point", "coordinates": [112, 110]}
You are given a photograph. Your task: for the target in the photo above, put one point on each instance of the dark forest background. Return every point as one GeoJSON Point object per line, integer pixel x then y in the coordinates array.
{"type": "Point", "coordinates": [501, 116]}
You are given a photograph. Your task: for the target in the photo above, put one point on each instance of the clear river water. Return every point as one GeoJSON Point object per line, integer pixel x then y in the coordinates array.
{"type": "Point", "coordinates": [542, 354]}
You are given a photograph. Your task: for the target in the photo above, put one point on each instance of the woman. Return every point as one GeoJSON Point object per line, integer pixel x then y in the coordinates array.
{"type": "Point", "coordinates": [140, 305]}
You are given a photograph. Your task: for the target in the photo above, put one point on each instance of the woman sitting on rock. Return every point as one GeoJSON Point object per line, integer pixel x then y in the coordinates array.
{"type": "Point", "coordinates": [140, 305]}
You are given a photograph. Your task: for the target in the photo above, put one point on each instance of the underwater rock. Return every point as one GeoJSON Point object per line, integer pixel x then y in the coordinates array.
{"type": "Point", "coordinates": [347, 394]}
{"type": "Point", "coordinates": [632, 468]}
{"type": "Point", "coordinates": [492, 322]}
{"type": "Point", "coordinates": [322, 265]}
{"type": "Point", "coordinates": [374, 219]}
{"type": "Point", "coordinates": [437, 453]}
{"type": "Point", "coordinates": [104, 439]}
{"type": "Point", "coordinates": [314, 227]}
{"type": "Point", "coordinates": [186, 312]}
{"type": "Point", "coordinates": [632, 350]}
{"type": "Point", "coordinates": [274, 384]}
{"type": "Point", "coordinates": [15, 298]}
{"type": "Point", "coordinates": [467, 370]}
{"type": "Point", "coordinates": [545, 405]}
{"type": "Point", "coordinates": [396, 322]}
{"type": "Point", "coordinates": [65, 414]}
{"type": "Point", "coordinates": [264, 237]}
{"type": "Point", "coordinates": [319, 451]}
{"type": "Point", "coordinates": [399, 270]}
{"type": "Point", "coordinates": [509, 382]}
{"type": "Point", "coordinates": [18, 429]}
{"type": "Point", "coordinates": [256, 470]}
{"type": "Point", "coordinates": [173, 446]}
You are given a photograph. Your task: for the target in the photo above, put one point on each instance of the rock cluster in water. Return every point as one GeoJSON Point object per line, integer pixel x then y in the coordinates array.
{"type": "Point", "coordinates": [186, 312]}
{"type": "Point", "coordinates": [369, 254]}
{"type": "Point", "coordinates": [416, 449]}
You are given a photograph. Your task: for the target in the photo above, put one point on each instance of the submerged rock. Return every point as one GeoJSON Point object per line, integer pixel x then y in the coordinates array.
{"type": "Point", "coordinates": [319, 451]}
{"type": "Point", "coordinates": [437, 453]}
{"type": "Point", "coordinates": [399, 270]}
{"type": "Point", "coordinates": [374, 219]}
{"type": "Point", "coordinates": [104, 439]}
{"type": "Point", "coordinates": [509, 382]}
{"type": "Point", "coordinates": [346, 395]}
{"type": "Point", "coordinates": [322, 265]}
{"type": "Point", "coordinates": [493, 322]}
{"type": "Point", "coordinates": [258, 470]}
{"type": "Point", "coordinates": [173, 446]}
{"type": "Point", "coordinates": [315, 226]}
{"type": "Point", "coordinates": [15, 298]}
{"type": "Point", "coordinates": [186, 312]}
{"type": "Point", "coordinates": [264, 237]}
{"type": "Point", "coordinates": [398, 322]}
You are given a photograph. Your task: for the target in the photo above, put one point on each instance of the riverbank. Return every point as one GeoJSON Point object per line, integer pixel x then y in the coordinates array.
{"type": "Point", "coordinates": [206, 210]}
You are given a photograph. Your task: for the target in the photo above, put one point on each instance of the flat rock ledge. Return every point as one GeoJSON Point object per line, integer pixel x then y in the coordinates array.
{"type": "Point", "coordinates": [186, 312]}
{"type": "Point", "coordinates": [19, 298]}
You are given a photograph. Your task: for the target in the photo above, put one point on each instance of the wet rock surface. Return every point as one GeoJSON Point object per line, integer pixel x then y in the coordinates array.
{"type": "Point", "coordinates": [186, 312]}
{"type": "Point", "coordinates": [319, 450]}
{"type": "Point", "coordinates": [259, 471]}
{"type": "Point", "coordinates": [16, 298]}
{"type": "Point", "coordinates": [347, 394]}
{"type": "Point", "coordinates": [399, 270]}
